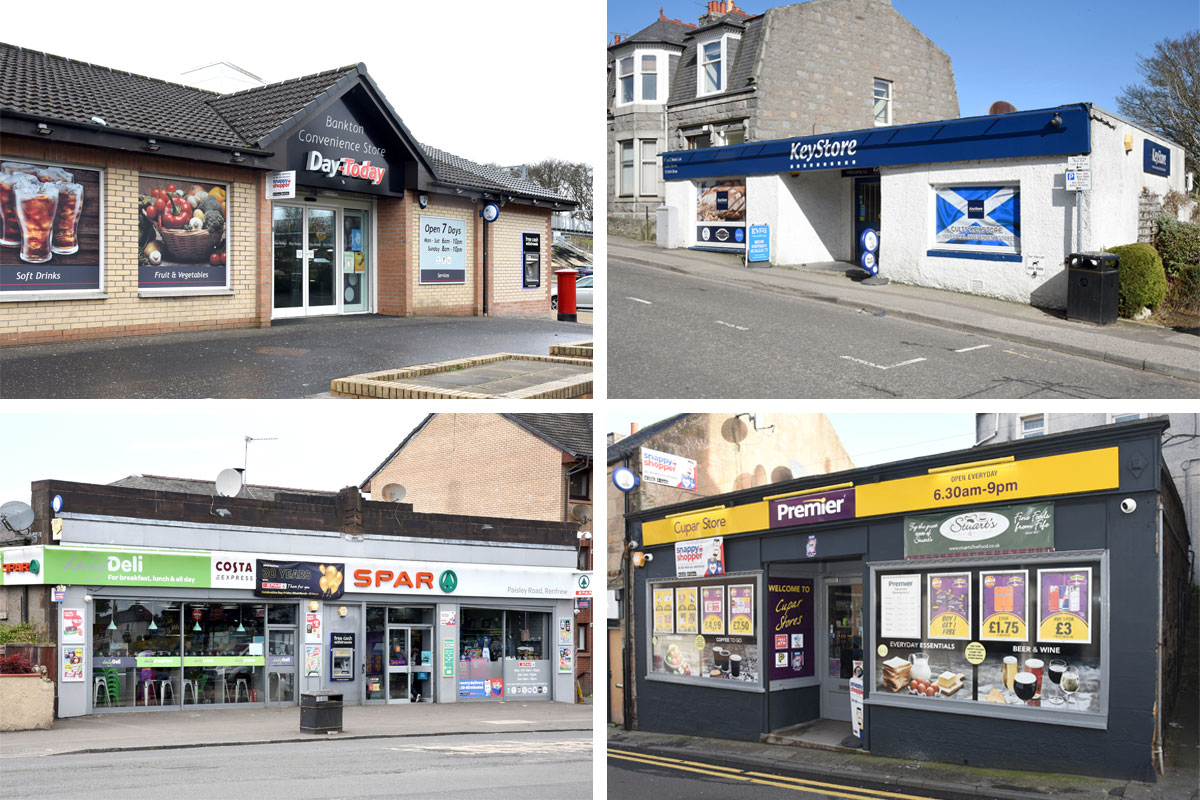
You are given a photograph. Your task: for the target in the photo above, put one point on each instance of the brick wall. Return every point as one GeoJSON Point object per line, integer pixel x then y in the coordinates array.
{"type": "Point", "coordinates": [123, 312]}
{"type": "Point", "coordinates": [508, 296]}
{"type": "Point", "coordinates": [478, 464]}
{"type": "Point", "coordinates": [457, 299]}
{"type": "Point", "coordinates": [393, 270]}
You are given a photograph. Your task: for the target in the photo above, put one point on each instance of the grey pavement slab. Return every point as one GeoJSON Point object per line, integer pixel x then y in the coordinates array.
{"type": "Point", "coordinates": [186, 728]}
{"type": "Point", "coordinates": [1138, 345]}
{"type": "Point", "coordinates": [292, 358]}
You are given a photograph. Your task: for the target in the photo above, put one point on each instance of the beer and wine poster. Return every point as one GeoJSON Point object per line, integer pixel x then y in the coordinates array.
{"type": "Point", "coordinates": [713, 617]}
{"type": "Point", "coordinates": [949, 605]}
{"type": "Point", "coordinates": [1064, 605]}
{"type": "Point", "coordinates": [664, 610]}
{"type": "Point", "coordinates": [687, 610]}
{"type": "Point", "coordinates": [49, 227]}
{"type": "Point", "coordinates": [1005, 599]}
{"type": "Point", "coordinates": [741, 610]}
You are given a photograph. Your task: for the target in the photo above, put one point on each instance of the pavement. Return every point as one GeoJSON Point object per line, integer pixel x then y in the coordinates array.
{"type": "Point", "coordinates": [119, 732]}
{"type": "Point", "coordinates": [290, 359]}
{"type": "Point", "coordinates": [1142, 346]}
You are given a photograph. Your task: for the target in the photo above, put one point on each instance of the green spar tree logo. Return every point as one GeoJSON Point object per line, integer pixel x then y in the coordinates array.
{"type": "Point", "coordinates": [584, 581]}
{"type": "Point", "coordinates": [448, 581]}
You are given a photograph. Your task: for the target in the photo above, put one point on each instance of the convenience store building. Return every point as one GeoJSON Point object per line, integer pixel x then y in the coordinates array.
{"type": "Point", "coordinates": [1012, 606]}
{"type": "Point", "coordinates": [171, 600]}
{"type": "Point", "coordinates": [325, 204]}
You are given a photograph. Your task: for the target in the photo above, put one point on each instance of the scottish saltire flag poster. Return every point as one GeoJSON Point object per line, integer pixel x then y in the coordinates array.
{"type": "Point", "coordinates": [984, 217]}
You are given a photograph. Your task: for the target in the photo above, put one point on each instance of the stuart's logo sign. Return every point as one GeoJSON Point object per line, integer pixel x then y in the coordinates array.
{"type": "Point", "coordinates": [349, 167]}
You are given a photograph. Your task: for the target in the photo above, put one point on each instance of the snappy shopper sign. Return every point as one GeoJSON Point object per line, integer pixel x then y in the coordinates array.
{"type": "Point", "coordinates": [668, 470]}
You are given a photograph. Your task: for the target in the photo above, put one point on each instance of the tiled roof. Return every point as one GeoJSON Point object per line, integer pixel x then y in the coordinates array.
{"type": "Point", "coordinates": [461, 172]}
{"type": "Point", "coordinates": [743, 53]}
{"type": "Point", "coordinates": [255, 113]}
{"type": "Point", "coordinates": [158, 483]}
{"type": "Point", "coordinates": [625, 447]}
{"type": "Point", "coordinates": [670, 31]}
{"type": "Point", "coordinates": [571, 433]}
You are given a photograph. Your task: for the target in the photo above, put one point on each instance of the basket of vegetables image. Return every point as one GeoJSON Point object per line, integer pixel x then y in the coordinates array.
{"type": "Point", "coordinates": [190, 224]}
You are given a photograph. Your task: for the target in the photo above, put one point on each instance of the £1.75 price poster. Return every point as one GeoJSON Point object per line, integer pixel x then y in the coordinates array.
{"type": "Point", "coordinates": [1004, 595]}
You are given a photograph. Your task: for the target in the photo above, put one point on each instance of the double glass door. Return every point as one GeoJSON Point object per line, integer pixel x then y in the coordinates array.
{"type": "Point", "coordinates": [321, 260]}
{"type": "Point", "coordinates": [408, 665]}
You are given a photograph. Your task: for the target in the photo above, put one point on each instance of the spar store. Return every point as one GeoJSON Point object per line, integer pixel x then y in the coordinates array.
{"type": "Point", "coordinates": [303, 198]}
{"type": "Point", "coordinates": [158, 611]}
{"type": "Point", "coordinates": [1006, 603]}
{"type": "Point", "coordinates": [984, 205]}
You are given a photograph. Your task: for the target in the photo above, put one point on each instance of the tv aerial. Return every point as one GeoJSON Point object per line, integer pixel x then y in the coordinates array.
{"type": "Point", "coordinates": [16, 516]}
{"type": "Point", "coordinates": [393, 492]}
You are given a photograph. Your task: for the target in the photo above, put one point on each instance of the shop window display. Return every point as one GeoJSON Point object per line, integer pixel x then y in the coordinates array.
{"type": "Point", "coordinates": [707, 630]}
{"type": "Point", "coordinates": [135, 653]}
{"type": "Point", "coordinates": [223, 653]}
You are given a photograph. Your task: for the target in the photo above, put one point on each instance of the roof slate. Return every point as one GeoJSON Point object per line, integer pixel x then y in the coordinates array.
{"type": "Point", "coordinates": [463, 172]}
{"type": "Point", "coordinates": [669, 31]}
{"type": "Point", "coordinates": [625, 447]}
{"type": "Point", "coordinates": [255, 113]}
{"type": "Point", "coordinates": [571, 433]}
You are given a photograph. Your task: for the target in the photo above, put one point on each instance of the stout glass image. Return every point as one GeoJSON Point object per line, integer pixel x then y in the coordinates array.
{"type": "Point", "coordinates": [1025, 685]}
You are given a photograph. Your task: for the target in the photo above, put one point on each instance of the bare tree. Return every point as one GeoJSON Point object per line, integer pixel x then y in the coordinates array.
{"type": "Point", "coordinates": [566, 178]}
{"type": "Point", "coordinates": [1168, 99]}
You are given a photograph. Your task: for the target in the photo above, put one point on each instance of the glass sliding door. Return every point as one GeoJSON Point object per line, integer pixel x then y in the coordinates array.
{"type": "Point", "coordinates": [322, 252]}
{"type": "Point", "coordinates": [398, 665]}
{"type": "Point", "coordinates": [844, 618]}
{"type": "Point", "coordinates": [288, 240]}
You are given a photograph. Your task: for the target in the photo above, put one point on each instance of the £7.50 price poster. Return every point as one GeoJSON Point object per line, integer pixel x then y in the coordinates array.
{"type": "Point", "coordinates": [1064, 605]}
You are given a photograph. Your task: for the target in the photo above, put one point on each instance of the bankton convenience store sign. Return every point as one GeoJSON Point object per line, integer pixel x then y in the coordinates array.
{"type": "Point", "coordinates": [946, 487]}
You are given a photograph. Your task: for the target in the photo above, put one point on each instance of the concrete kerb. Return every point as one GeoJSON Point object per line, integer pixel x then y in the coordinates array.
{"type": "Point", "coordinates": [853, 766]}
{"type": "Point", "coordinates": [1094, 353]}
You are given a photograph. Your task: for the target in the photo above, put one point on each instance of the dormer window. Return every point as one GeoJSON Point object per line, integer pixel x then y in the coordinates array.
{"type": "Point", "coordinates": [642, 77]}
{"type": "Point", "coordinates": [710, 66]}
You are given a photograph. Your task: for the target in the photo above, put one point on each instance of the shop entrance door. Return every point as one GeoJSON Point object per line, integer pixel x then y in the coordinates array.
{"type": "Point", "coordinates": [281, 665]}
{"type": "Point", "coordinates": [866, 213]}
{"type": "Point", "coordinates": [398, 665]}
{"type": "Point", "coordinates": [843, 619]}
{"type": "Point", "coordinates": [305, 257]}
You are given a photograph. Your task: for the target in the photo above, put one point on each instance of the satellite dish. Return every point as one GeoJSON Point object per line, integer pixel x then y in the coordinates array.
{"type": "Point", "coordinates": [581, 513]}
{"type": "Point", "coordinates": [16, 516]}
{"type": "Point", "coordinates": [229, 482]}
{"type": "Point", "coordinates": [393, 492]}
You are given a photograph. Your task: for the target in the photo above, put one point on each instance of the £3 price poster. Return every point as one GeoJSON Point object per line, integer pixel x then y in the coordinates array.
{"type": "Point", "coordinates": [1004, 595]}
{"type": "Point", "coordinates": [949, 605]}
{"type": "Point", "coordinates": [1064, 605]}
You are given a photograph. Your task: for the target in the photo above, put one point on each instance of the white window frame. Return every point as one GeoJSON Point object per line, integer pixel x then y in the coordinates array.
{"type": "Point", "coordinates": [1112, 418]}
{"type": "Point", "coordinates": [724, 40]}
{"type": "Point", "coordinates": [888, 99]}
{"type": "Point", "coordinates": [662, 62]}
{"type": "Point", "coordinates": [621, 188]}
{"type": "Point", "coordinates": [581, 638]}
{"type": "Point", "coordinates": [1023, 434]}
{"type": "Point", "coordinates": [643, 162]}
{"type": "Point", "coordinates": [643, 74]}
{"type": "Point", "coordinates": [631, 76]}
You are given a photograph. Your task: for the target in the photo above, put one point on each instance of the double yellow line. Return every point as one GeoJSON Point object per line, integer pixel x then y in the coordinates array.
{"type": "Point", "coordinates": [762, 778]}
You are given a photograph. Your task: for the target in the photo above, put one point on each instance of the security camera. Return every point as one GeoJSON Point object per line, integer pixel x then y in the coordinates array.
{"type": "Point", "coordinates": [87, 598]}
{"type": "Point", "coordinates": [1129, 505]}
{"type": "Point", "coordinates": [633, 545]}
{"type": "Point", "coordinates": [649, 556]}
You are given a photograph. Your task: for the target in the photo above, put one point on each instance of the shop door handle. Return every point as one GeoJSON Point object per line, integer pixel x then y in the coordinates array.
{"type": "Point", "coordinates": [620, 685]}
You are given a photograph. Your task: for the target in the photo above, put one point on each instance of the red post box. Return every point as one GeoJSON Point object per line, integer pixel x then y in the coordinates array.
{"type": "Point", "coordinates": [566, 294]}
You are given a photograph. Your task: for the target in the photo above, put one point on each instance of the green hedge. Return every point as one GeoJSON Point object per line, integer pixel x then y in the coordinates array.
{"type": "Point", "coordinates": [1177, 243]}
{"type": "Point", "coordinates": [1143, 280]}
{"type": "Point", "coordinates": [22, 633]}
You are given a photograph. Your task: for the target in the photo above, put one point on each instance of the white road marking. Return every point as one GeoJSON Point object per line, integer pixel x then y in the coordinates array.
{"type": "Point", "coordinates": [503, 748]}
{"type": "Point", "coordinates": [969, 349]}
{"type": "Point", "coordinates": [731, 325]}
{"type": "Point", "coordinates": [880, 366]}
{"type": "Point", "coordinates": [639, 300]}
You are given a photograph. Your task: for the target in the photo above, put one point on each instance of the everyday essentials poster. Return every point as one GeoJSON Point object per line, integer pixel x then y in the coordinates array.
{"type": "Point", "coordinates": [1005, 600]}
{"type": "Point", "coordinates": [741, 610]}
{"type": "Point", "coordinates": [713, 614]}
{"type": "Point", "coordinates": [664, 610]}
{"type": "Point", "coordinates": [949, 599]}
{"type": "Point", "coordinates": [687, 616]}
{"type": "Point", "coordinates": [1064, 605]}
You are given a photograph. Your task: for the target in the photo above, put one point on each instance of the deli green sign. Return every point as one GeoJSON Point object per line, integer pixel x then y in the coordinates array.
{"type": "Point", "coordinates": [996, 531]}
{"type": "Point", "coordinates": [123, 568]}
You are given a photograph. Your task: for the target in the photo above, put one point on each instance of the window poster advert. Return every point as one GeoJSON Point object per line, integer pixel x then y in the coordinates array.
{"type": "Point", "coordinates": [949, 599]}
{"type": "Point", "coordinates": [687, 610]}
{"type": "Point", "coordinates": [312, 659]}
{"type": "Point", "coordinates": [49, 227]}
{"type": "Point", "coordinates": [564, 632]}
{"type": "Point", "coordinates": [997, 531]}
{"type": "Point", "coordinates": [721, 213]}
{"type": "Point", "coordinates": [741, 610]}
{"type": "Point", "coordinates": [700, 557]}
{"type": "Point", "coordinates": [181, 233]}
{"type": "Point", "coordinates": [1004, 597]}
{"type": "Point", "coordinates": [72, 663]}
{"type": "Point", "coordinates": [979, 218]}
{"type": "Point", "coordinates": [70, 629]}
{"type": "Point", "coordinates": [664, 610]}
{"type": "Point", "coordinates": [900, 615]}
{"type": "Point", "coordinates": [790, 617]}
{"type": "Point", "coordinates": [566, 659]}
{"type": "Point", "coordinates": [717, 652]}
{"type": "Point", "coordinates": [713, 614]}
{"type": "Point", "coordinates": [312, 627]}
{"type": "Point", "coordinates": [443, 250]}
{"type": "Point", "coordinates": [1064, 605]}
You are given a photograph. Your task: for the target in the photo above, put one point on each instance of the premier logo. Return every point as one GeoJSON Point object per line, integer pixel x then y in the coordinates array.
{"type": "Point", "coordinates": [345, 166]}
{"type": "Point", "coordinates": [814, 507]}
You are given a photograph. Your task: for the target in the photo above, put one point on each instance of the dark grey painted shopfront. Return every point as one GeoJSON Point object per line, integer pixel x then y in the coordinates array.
{"type": "Point", "coordinates": [1091, 531]}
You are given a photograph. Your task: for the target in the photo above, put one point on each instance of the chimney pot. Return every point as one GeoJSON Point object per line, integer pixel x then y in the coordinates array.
{"type": "Point", "coordinates": [633, 428]}
{"type": "Point", "coordinates": [617, 39]}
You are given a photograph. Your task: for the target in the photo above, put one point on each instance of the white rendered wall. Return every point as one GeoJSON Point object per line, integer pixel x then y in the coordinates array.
{"type": "Point", "coordinates": [813, 218]}
{"type": "Point", "coordinates": [682, 195]}
{"type": "Point", "coordinates": [1118, 177]}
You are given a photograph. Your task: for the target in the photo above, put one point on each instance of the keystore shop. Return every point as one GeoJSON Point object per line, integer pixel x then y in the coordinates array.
{"type": "Point", "coordinates": [1000, 606]}
{"type": "Point", "coordinates": [303, 198]}
{"type": "Point", "coordinates": [143, 624]}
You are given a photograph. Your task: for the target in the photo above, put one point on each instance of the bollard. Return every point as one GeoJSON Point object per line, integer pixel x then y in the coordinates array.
{"type": "Point", "coordinates": [566, 294]}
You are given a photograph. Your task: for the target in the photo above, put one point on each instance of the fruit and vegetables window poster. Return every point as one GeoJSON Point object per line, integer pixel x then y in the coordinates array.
{"type": "Point", "coordinates": [718, 651]}
{"type": "Point", "coordinates": [49, 227]}
{"type": "Point", "coordinates": [181, 233]}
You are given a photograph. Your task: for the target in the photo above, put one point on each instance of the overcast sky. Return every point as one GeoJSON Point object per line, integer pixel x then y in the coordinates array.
{"type": "Point", "coordinates": [490, 81]}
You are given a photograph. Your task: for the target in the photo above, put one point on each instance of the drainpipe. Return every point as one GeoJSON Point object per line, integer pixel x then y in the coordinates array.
{"type": "Point", "coordinates": [991, 435]}
{"type": "Point", "coordinates": [1158, 651]}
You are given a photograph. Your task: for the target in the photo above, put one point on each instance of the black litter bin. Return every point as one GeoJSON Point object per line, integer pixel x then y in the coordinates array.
{"type": "Point", "coordinates": [1093, 284]}
{"type": "Point", "coordinates": [321, 712]}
